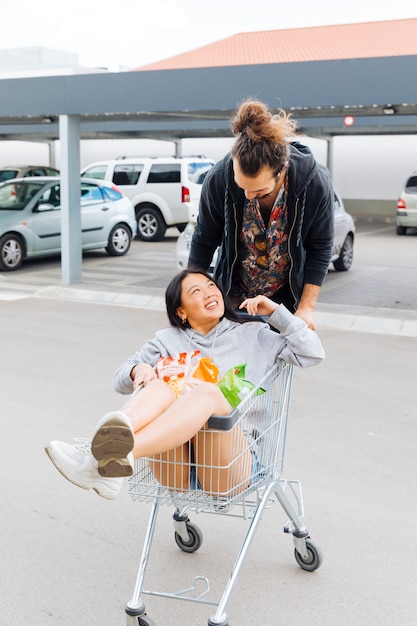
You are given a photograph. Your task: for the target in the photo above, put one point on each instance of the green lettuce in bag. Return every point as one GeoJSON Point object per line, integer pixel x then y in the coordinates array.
{"type": "Point", "coordinates": [235, 387]}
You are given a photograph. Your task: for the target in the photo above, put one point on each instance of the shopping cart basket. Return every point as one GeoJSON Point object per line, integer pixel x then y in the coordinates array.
{"type": "Point", "coordinates": [243, 486]}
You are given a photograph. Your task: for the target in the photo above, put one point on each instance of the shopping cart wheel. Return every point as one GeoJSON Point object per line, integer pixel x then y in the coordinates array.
{"type": "Point", "coordinates": [314, 559]}
{"type": "Point", "coordinates": [195, 538]}
{"type": "Point", "coordinates": [137, 616]}
{"type": "Point", "coordinates": [140, 620]}
{"type": "Point", "coordinates": [145, 621]}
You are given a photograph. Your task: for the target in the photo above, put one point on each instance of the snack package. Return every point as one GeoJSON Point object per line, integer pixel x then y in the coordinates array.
{"type": "Point", "coordinates": [235, 387]}
{"type": "Point", "coordinates": [186, 370]}
{"type": "Point", "coordinates": [203, 371]}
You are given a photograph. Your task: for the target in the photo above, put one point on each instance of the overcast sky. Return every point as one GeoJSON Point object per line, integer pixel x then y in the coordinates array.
{"type": "Point", "coordinates": [132, 33]}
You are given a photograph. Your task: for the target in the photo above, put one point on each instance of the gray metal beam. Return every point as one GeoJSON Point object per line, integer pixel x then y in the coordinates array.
{"type": "Point", "coordinates": [351, 82]}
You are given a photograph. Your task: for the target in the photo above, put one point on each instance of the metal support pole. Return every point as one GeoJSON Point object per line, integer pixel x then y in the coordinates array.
{"type": "Point", "coordinates": [71, 252]}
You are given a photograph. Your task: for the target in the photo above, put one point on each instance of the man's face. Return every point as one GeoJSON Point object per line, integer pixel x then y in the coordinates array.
{"type": "Point", "coordinates": [259, 186]}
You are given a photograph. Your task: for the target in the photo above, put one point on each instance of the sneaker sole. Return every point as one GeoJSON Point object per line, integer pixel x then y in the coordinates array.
{"type": "Point", "coordinates": [115, 467]}
{"type": "Point", "coordinates": [111, 446]}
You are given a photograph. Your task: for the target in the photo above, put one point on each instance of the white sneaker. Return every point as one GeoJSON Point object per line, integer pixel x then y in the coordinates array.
{"type": "Point", "coordinates": [77, 464]}
{"type": "Point", "coordinates": [112, 445]}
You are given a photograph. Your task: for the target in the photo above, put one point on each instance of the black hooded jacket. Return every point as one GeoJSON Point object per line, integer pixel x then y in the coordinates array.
{"type": "Point", "coordinates": [310, 219]}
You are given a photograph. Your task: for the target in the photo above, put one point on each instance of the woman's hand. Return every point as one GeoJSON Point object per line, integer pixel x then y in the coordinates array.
{"type": "Point", "coordinates": [142, 374]}
{"type": "Point", "coordinates": [259, 305]}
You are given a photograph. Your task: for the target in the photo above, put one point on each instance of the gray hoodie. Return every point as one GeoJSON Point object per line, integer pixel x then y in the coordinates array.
{"type": "Point", "coordinates": [230, 344]}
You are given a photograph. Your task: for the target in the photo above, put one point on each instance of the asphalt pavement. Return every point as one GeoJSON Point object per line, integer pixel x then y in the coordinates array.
{"type": "Point", "coordinates": [69, 557]}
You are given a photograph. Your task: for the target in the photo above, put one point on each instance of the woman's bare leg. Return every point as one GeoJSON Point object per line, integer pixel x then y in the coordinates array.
{"type": "Point", "coordinates": [223, 461]}
{"type": "Point", "coordinates": [161, 423]}
{"type": "Point", "coordinates": [172, 469]}
{"type": "Point", "coordinates": [147, 404]}
{"type": "Point", "coordinates": [114, 440]}
{"type": "Point", "coordinates": [178, 422]}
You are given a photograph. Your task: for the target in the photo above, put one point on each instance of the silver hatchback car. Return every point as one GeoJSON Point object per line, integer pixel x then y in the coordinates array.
{"type": "Point", "coordinates": [30, 219]}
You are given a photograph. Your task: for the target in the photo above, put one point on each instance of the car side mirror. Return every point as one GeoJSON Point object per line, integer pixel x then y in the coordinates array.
{"type": "Point", "coordinates": [44, 206]}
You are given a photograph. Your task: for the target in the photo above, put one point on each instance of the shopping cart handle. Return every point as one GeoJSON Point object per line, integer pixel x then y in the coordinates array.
{"type": "Point", "coordinates": [224, 422]}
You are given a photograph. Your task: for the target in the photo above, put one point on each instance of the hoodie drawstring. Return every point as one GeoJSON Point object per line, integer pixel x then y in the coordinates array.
{"type": "Point", "coordinates": [191, 337]}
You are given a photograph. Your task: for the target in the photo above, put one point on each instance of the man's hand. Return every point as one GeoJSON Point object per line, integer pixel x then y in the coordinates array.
{"type": "Point", "coordinates": [306, 314]}
{"type": "Point", "coordinates": [307, 305]}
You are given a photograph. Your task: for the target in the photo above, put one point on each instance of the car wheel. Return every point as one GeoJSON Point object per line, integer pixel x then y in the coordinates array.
{"type": "Point", "coordinates": [343, 263]}
{"type": "Point", "coordinates": [151, 226]}
{"type": "Point", "coordinates": [12, 252]}
{"type": "Point", "coordinates": [119, 240]}
{"type": "Point", "coordinates": [401, 230]}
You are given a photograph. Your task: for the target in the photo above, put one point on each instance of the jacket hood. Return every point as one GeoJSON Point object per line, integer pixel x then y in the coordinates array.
{"type": "Point", "coordinates": [303, 167]}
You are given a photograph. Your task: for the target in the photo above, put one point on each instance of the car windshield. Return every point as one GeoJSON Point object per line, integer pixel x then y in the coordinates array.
{"type": "Point", "coordinates": [15, 196]}
{"type": "Point", "coordinates": [8, 175]}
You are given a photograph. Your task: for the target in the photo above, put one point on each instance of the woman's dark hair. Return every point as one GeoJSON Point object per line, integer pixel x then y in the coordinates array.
{"type": "Point", "coordinates": [173, 297]}
{"type": "Point", "coordinates": [261, 137]}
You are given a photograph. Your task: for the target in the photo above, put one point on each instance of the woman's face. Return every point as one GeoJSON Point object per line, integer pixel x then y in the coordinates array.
{"type": "Point", "coordinates": [201, 302]}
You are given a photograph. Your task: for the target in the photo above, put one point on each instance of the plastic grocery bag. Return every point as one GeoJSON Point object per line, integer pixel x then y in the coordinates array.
{"type": "Point", "coordinates": [235, 387]}
{"type": "Point", "coordinates": [186, 370]}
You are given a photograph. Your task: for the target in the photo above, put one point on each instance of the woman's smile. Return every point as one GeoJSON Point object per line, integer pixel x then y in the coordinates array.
{"type": "Point", "coordinates": [212, 304]}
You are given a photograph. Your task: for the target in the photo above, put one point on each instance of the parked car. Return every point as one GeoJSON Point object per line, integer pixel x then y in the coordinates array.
{"type": "Point", "coordinates": [344, 236]}
{"type": "Point", "coordinates": [30, 219]}
{"type": "Point", "coordinates": [20, 171]}
{"type": "Point", "coordinates": [407, 206]}
{"type": "Point", "coordinates": [164, 191]}
{"type": "Point", "coordinates": [342, 252]}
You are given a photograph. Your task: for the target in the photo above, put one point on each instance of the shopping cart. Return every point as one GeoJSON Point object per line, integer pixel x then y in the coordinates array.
{"type": "Point", "coordinates": [232, 489]}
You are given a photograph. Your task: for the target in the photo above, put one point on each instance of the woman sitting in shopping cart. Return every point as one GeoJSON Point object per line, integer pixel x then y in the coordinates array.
{"type": "Point", "coordinates": [158, 422]}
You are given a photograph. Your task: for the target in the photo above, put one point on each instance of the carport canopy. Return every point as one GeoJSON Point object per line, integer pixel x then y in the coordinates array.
{"type": "Point", "coordinates": [176, 104]}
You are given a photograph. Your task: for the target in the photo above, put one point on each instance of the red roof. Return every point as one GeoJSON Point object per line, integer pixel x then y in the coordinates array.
{"type": "Point", "coordinates": [318, 43]}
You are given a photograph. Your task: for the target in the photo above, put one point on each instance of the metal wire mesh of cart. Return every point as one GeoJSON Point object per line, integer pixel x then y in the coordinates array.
{"type": "Point", "coordinates": [229, 460]}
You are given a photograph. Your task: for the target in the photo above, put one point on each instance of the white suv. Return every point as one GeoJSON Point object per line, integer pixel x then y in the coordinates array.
{"type": "Point", "coordinates": [164, 191]}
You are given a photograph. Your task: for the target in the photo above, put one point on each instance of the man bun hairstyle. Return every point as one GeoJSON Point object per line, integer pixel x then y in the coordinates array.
{"type": "Point", "coordinates": [261, 137]}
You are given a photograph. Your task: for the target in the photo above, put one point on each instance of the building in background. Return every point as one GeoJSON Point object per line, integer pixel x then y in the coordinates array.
{"type": "Point", "coordinates": [39, 61]}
